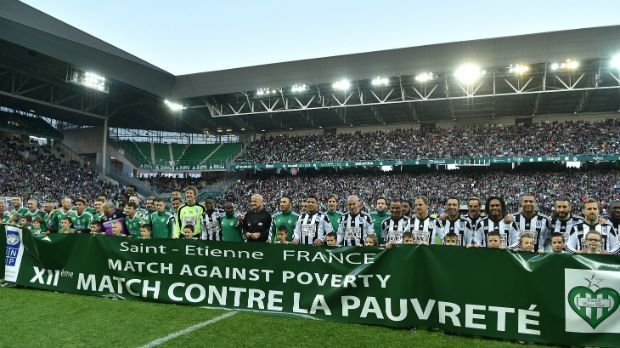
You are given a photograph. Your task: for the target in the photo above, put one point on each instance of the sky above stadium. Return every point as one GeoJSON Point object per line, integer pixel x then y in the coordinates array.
{"type": "Point", "coordinates": [190, 36]}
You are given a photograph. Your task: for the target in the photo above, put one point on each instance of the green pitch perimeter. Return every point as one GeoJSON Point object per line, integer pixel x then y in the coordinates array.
{"type": "Point", "coordinates": [37, 318]}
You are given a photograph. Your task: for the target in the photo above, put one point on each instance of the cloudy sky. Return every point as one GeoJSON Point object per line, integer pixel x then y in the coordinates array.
{"type": "Point", "coordinates": [189, 36]}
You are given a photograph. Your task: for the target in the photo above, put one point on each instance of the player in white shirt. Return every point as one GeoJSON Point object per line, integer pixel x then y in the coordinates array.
{"type": "Point", "coordinates": [577, 241]}
{"type": "Point", "coordinates": [312, 225]}
{"type": "Point", "coordinates": [355, 225]}
{"type": "Point", "coordinates": [456, 224]}
{"type": "Point", "coordinates": [424, 228]}
{"type": "Point", "coordinates": [562, 221]}
{"type": "Point", "coordinates": [393, 228]}
{"type": "Point", "coordinates": [530, 222]}
{"type": "Point", "coordinates": [495, 210]}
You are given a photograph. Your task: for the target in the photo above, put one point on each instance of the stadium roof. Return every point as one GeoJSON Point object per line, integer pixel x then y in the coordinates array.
{"type": "Point", "coordinates": [38, 51]}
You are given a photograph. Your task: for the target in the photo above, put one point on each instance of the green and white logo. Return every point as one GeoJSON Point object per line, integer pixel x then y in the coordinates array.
{"type": "Point", "coordinates": [592, 301]}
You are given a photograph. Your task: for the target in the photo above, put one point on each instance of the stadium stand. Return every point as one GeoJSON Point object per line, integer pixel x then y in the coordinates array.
{"type": "Point", "coordinates": [546, 186]}
{"type": "Point", "coordinates": [177, 151]}
{"type": "Point", "coordinates": [167, 185]}
{"type": "Point", "coordinates": [133, 150]}
{"type": "Point", "coordinates": [196, 153]}
{"type": "Point", "coordinates": [33, 171]}
{"type": "Point", "coordinates": [146, 150]}
{"type": "Point", "coordinates": [162, 153]}
{"type": "Point", "coordinates": [224, 153]}
{"type": "Point", "coordinates": [538, 139]}
{"type": "Point", "coordinates": [158, 155]}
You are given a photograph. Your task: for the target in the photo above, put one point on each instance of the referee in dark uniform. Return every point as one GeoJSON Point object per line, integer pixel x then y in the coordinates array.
{"type": "Point", "coordinates": [257, 221]}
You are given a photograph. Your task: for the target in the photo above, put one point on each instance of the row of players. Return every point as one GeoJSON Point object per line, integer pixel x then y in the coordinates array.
{"type": "Point", "coordinates": [388, 226]}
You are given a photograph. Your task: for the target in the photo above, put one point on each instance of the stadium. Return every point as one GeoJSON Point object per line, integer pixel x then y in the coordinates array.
{"type": "Point", "coordinates": [92, 135]}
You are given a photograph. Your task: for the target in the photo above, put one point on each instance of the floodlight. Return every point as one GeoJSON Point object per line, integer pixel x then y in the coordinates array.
{"type": "Point", "coordinates": [299, 88]}
{"type": "Point", "coordinates": [380, 81]}
{"type": "Point", "coordinates": [174, 106]}
{"type": "Point", "coordinates": [615, 61]}
{"type": "Point", "coordinates": [263, 91]}
{"type": "Point", "coordinates": [554, 66]}
{"type": "Point", "coordinates": [88, 79]}
{"type": "Point", "coordinates": [569, 65]}
{"type": "Point", "coordinates": [518, 69]}
{"type": "Point", "coordinates": [343, 85]}
{"type": "Point", "coordinates": [468, 73]}
{"type": "Point", "coordinates": [424, 77]}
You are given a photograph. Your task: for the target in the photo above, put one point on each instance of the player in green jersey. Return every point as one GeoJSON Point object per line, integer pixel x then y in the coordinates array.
{"type": "Point", "coordinates": [48, 207]}
{"type": "Point", "coordinates": [4, 214]}
{"type": "Point", "coordinates": [162, 221]}
{"type": "Point", "coordinates": [150, 205]}
{"type": "Point", "coordinates": [286, 217]}
{"type": "Point", "coordinates": [18, 207]}
{"type": "Point", "coordinates": [133, 221]}
{"type": "Point", "coordinates": [33, 211]}
{"type": "Point", "coordinates": [231, 224]}
{"type": "Point", "coordinates": [142, 213]}
{"type": "Point", "coordinates": [64, 211]}
{"type": "Point", "coordinates": [82, 219]}
{"type": "Point", "coordinates": [332, 211]}
{"type": "Point", "coordinates": [98, 204]}
{"type": "Point", "coordinates": [380, 215]}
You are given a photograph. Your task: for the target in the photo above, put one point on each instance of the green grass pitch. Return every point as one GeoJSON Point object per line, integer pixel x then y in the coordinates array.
{"type": "Point", "coordinates": [32, 318]}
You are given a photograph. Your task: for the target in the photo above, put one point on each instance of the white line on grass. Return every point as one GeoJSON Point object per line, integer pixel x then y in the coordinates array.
{"type": "Point", "coordinates": [174, 335]}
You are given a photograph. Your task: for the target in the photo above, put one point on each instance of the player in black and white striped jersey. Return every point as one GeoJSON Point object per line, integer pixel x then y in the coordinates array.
{"type": "Point", "coordinates": [355, 225]}
{"type": "Point", "coordinates": [531, 222]}
{"type": "Point", "coordinates": [614, 215]}
{"type": "Point", "coordinates": [473, 211]}
{"type": "Point", "coordinates": [393, 228]}
{"type": "Point", "coordinates": [406, 208]}
{"type": "Point", "coordinates": [609, 241]}
{"type": "Point", "coordinates": [495, 209]}
{"type": "Point", "coordinates": [424, 228]}
{"type": "Point", "coordinates": [312, 225]}
{"type": "Point", "coordinates": [562, 221]}
{"type": "Point", "coordinates": [454, 223]}
{"type": "Point", "coordinates": [210, 219]}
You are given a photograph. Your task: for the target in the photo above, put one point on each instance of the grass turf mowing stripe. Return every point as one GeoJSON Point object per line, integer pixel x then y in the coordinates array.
{"type": "Point", "coordinates": [37, 318]}
{"type": "Point", "coordinates": [266, 330]}
{"type": "Point", "coordinates": [33, 318]}
{"type": "Point", "coordinates": [174, 335]}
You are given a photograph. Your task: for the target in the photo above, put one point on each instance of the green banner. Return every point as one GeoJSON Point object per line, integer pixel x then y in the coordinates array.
{"type": "Point", "coordinates": [481, 161]}
{"type": "Point", "coordinates": [556, 299]}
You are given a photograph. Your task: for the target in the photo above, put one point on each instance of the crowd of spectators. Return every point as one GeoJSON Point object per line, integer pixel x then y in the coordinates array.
{"type": "Point", "coordinates": [35, 171]}
{"type": "Point", "coordinates": [537, 139]}
{"type": "Point", "coordinates": [577, 185]}
{"type": "Point", "coordinates": [169, 184]}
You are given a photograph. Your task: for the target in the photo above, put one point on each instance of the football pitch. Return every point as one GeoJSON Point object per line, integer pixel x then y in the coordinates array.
{"type": "Point", "coordinates": [40, 318]}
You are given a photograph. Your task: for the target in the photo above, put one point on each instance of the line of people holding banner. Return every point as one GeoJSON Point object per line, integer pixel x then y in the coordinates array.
{"type": "Point", "coordinates": [394, 222]}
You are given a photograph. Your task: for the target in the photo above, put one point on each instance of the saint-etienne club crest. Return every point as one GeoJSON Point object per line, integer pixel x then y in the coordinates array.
{"type": "Point", "coordinates": [592, 299]}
